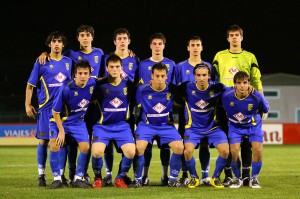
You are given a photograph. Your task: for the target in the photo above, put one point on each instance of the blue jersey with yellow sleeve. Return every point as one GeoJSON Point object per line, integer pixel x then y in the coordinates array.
{"type": "Point", "coordinates": [145, 70]}
{"type": "Point", "coordinates": [201, 105]}
{"type": "Point", "coordinates": [246, 112]}
{"type": "Point", "coordinates": [72, 101]}
{"type": "Point", "coordinates": [94, 58]}
{"type": "Point", "coordinates": [156, 106]}
{"type": "Point", "coordinates": [48, 78]}
{"type": "Point", "coordinates": [113, 100]}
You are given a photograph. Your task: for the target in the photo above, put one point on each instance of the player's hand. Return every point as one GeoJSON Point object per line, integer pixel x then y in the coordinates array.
{"type": "Point", "coordinates": [264, 116]}
{"type": "Point", "coordinates": [60, 140]}
{"type": "Point", "coordinates": [43, 58]}
{"type": "Point", "coordinates": [30, 111]}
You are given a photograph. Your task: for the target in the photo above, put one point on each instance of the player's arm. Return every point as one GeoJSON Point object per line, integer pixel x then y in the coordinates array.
{"type": "Point", "coordinates": [43, 58]}
{"type": "Point", "coordinates": [60, 140]}
{"type": "Point", "coordinates": [30, 110]}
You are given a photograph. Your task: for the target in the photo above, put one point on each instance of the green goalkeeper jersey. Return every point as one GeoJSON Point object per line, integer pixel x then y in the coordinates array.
{"type": "Point", "coordinates": [227, 64]}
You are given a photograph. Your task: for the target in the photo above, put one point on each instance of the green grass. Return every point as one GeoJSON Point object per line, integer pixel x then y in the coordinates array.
{"type": "Point", "coordinates": [280, 178]}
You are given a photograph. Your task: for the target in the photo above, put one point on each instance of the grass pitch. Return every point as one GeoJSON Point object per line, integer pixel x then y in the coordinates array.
{"type": "Point", "coordinates": [279, 178]}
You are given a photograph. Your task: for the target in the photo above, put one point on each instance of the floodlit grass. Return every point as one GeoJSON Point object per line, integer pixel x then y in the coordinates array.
{"type": "Point", "coordinates": [280, 178]}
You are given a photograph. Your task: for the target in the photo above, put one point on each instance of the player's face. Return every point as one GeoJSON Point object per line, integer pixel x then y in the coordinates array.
{"type": "Point", "coordinates": [242, 86]}
{"type": "Point", "coordinates": [56, 45]}
{"type": "Point", "coordinates": [157, 46]}
{"type": "Point", "coordinates": [122, 41]}
{"type": "Point", "coordinates": [82, 75]}
{"type": "Point", "coordinates": [85, 39]}
{"type": "Point", "coordinates": [114, 69]}
{"type": "Point", "coordinates": [159, 78]}
{"type": "Point", "coordinates": [235, 38]}
{"type": "Point", "coordinates": [195, 47]}
{"type": "Point", "coordinates": [202, 76]}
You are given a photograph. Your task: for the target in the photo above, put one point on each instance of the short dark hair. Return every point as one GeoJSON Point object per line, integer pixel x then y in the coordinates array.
{"type": "Point", "coordinates": [158, 35]}
{"type": "Point", "coordinates": [241, 75]}
{"type": "Point", "coordinates": [56, 35]}
{"type": "Point", "coordinates": [120, 31]}
{"type": "Point", "coordinates": [234, 28]}
{"type": "Point", "coordinates": [192, 38]}
{"type": "Point", "coordinates": [82, 64]}
{"type": "Point", "coordinates": [113, 58]}
{"type": "Point", "coordinates": [201, 66]}
{"type": "Point", "coordinates": [159, 66]}
{"type": "Point", "coordinates": [86, 28]}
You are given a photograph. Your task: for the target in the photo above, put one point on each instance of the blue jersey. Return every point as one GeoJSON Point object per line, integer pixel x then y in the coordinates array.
{"type": "Point", "coordinates": [184, 72]}
{"type": "Point", "coordinates": [49, 78]}
{"type": "Point", "coordinates": [244, 113]}
{"type": "Point", "coordinates": [200, 106]}
{"type": "Point", "coordinates": [94, 58]}
{"type": "Point", "coordinates": [157, 105]}
{"type": "Point", "coordinates": [72, 101]}
{"type": "Point", "coordinates": [130, 67]}
{"type": "Point", "coordinates": [145, 70]}
{"type": "Point", "coordinates": [113, 101]}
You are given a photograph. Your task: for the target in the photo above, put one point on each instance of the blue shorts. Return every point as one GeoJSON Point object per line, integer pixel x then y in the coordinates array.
{"type": "Point", "coordinates": [77, 130]}
{"type": "Point", "coordinates": [166, 133]}
{"type": "Point", "coordinates": [42, 129]}
{"type": "Point", "coordinates": [254, 133]}
{"type": "Point", "coordinates": [119, 132]}
{"type": "Point", "coordinates": [215, 136]}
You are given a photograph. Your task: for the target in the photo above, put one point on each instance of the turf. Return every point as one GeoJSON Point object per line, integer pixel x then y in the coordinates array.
{"type": "Point", "coordinates": [280, 177]}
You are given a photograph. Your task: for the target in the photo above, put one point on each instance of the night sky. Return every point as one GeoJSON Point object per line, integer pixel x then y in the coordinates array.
{"type": "Point", "coordinates": [271, 30]}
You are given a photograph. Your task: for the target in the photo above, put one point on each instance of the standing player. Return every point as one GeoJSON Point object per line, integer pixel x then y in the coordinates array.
{"type": "Point", "coordinates": [121, 39]}
{"type": "Point", "coordinates": [202, 98]}
{"type": "Point", "coordinates": [183, 73]}
{"type": "Point", "coordinates": [245, 111]}
{"type": "Point", "coordinates": [157, 45]}
{"type": "Point", "coordinates": [68, 112]}
{"type": "Point", "coordinates": [48, 79]}
{"type": "Point", "coordinates": [113, 95]}
{"type": "Point", "coordinates": [227, 63]}
{"type": "Point", "coordinates": [154, 105]}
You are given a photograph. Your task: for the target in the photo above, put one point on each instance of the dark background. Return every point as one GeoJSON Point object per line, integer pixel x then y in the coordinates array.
{"type": "Point", "coordinates": [270, 30]}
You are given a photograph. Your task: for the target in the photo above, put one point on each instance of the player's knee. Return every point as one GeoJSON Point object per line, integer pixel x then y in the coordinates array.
{"type": "Point", "coordinates": [178, 148]}
{"type": "Point", "coordinates": [98, 153]}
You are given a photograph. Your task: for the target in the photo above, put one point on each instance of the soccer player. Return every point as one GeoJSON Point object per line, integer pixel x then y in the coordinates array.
{"type": "Point", "coordinates": [183, 73]}
{"type": "Point", "coordinates": [121, 39]}
{"type": "Point", "coordinates": [154, 106]}
{"type": "Point", "coordinates": [202, 98]}
{"type": "Point", "coordinates": [245, 111]}
{"type": "Point", "coordinates": [68, 111]}
{"type": "Point", "coordinates": [227, 63]}
{"type": "Point", "coordinates": [48, 78]}
{"type": "Point", "coordinates": [157, 45]}
{"type": "Point", "coordinates": [85, 37]}
{"type": "Point", "coordinates": [113, 96]}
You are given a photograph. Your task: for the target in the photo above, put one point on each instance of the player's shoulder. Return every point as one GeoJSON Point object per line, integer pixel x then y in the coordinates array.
{"type": "Point", "coordinates": [143, 87]}
{"type": "Point", "coordinates": [182, 63]}
{"type": "Point", "coordinates": [102, 81]}
{"type": "Point", "coordinates": [98, 50]}
{"type": "Point", "coordinates": [168, 61]}
{"type": "Point", "coordinates": [207, 63]}
{"type": "Point", "coordinates": [229, 92]}
{"type": "Point", "coordinates": [66, 58]}
{"type": "Point", "coordinates": [145, 61]}
{"type": "Point", "coordinates": [257, 95]}
{"type": "Point", "coordinates": [222, 52]}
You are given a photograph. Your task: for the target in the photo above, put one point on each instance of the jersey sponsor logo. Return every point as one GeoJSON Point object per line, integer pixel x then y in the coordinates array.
{"type": "Point", "coordinates": [51, 66]}
{"type": "Point", "coordinates": [83, 103]}
{"type": "Point", "coordinates": [159, 108]}
{"type": "Point", "coordinates": [231, 103]}
{"type": "Point", "coordinates": [79, 58]}
{"type": "Point", "coordinates": [250, 107]}
{"type": "Point", "coordinates": [149, 67]}
{"type": "Point", "coordinates": [149, 96]}
{"type": "Point", "coordinates": [233, 70]}
{"type": "Point", "coordinates": [158, 115]}
{"type": "Point", "coordinates": [60, 77]}
{"type": "Point", "coordinates": [123, 74]}
{"type": "Point", "coordinates": [55, 85]}
{"type": "Point", "coordinates": [67, 66]}
{"type": "Point", "coordinates": [130, 66]}
{"type": "Point", "coordinates": [187, 72]}
{"type": "Point", "coordinates": [202, 110]}
{"type": "Point", "coordinates": [92, 69]}
{"type": "Point", "coordinates": [239, 116]}
{"type": "Point", "coordinates": [202, 104]}
{"type": "Point", "coordinates": [193, 92]}
{"type": "Point", "coordinates": [96, 58]}
{"type": "Point", "coordinates": [116, 102]}
{"type": "Point", "coordinates": [76, 93]}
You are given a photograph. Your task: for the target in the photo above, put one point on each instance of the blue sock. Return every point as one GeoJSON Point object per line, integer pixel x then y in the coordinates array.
{"type": "Point", "coordinates": [97, 164]}
{"type": "Point", "coordinates": [109, 159]}
{"type": "Point", "coordinates": [54, 163]}
{"type": "Point", "coordinates": [175, 166]}
{"type": "Point", "coordinates": [256, 167]}
{"type": "Point", "coordinates": [140, 161]}
{"type": "Point", "coordinates": [81, 164]}
{"type": "Point", "coordinates": [42, 157]}
{"type": "Point", "coordinates": [204, 157]}
{"type": "Point", "coordinates": [220, 164]}
{"type": "Point", "coordinates": [86, 166]}
{"type": "Point", "coordinates": [63, 158]}
{"type": "Point", "coordinates": [191, 165]}
{"type": "Point", "coordinates": [125, 166]}
{"type": "Point", "coordinates": [236, 169]}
